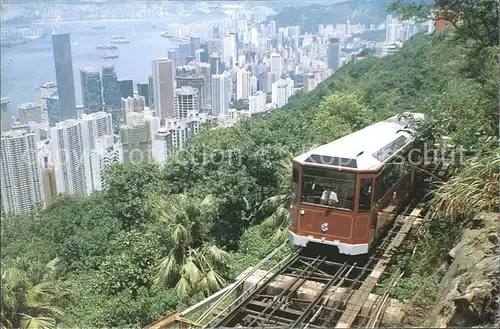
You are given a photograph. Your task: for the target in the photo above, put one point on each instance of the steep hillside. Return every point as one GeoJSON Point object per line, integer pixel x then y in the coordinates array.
{"type": "Point", "coordinates": [152, 241]}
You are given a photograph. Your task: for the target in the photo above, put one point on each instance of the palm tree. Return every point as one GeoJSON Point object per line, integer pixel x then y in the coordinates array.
{"type": "Point", "coordinates": [277, 206]}
{"type": "Point", "coordinates": [32, 296]}
{"type": "Point", "coordinates": [191, 264]}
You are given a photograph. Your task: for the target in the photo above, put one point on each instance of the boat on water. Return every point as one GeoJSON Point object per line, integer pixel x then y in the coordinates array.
{"type": "Point", "coordinates": [118, 39]}
{"type": "Point", "coordinates": [110, 47]}
{"type": "Point", "coordinates": [109, 56]}
{"type": "Point", "coordinates": [98, 27]}
{"type": "Point", "coordinates": [173, 37]}
{"type": "Point", "coordinates": [12, 43]}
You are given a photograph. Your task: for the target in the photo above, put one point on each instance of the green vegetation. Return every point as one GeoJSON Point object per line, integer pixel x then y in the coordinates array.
{"type": "Point", "coordinates": [372, 35]}
{"type": "Point", "coordinates": [31, 295]}
{"type": "Point", "coordinates": [189, 264]}
{"type": "Point", "coordinates": [162, 237]}
{"type": "Point", "coordinates": [241, 104]}
{"type": "Point", "coordinates": [309, 17]}
{"type": "Point", "coordinates": [466, 110]}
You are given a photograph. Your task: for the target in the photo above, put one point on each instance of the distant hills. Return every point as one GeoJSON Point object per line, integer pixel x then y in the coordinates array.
{"type": "Point", "coordinates": [309, 17]}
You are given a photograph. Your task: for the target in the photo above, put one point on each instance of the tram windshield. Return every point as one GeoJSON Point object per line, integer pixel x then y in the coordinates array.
{"type": "Point", "coordinates": [328, 187]}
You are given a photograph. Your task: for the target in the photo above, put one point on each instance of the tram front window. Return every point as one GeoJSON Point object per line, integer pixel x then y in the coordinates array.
{"type": "Point", "coordinates": [328, 187]}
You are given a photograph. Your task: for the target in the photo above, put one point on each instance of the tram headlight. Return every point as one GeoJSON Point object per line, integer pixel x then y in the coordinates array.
{"type": "Point", "coordinates": [324, 227]}
{"type": "Point", "coordinates": [302, 211]}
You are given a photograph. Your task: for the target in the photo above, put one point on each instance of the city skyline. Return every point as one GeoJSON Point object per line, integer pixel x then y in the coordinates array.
{"type": "Point", "coordinates": [209, 69]}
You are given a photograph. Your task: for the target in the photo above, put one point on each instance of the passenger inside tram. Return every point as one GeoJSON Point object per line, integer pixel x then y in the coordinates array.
{"type": "Point", "coordinates": [328, 187]}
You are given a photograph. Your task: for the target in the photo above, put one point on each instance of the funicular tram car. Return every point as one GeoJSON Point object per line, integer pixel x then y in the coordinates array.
{"type": "Point", "coordinates": [343, 193]}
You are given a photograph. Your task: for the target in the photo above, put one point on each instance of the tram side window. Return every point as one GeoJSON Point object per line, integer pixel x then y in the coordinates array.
{"type": "Point", "coordinates": [295, 183]}
{"type": "Point", "coordinates": [365, 194]}
{"type": "Point", "coordinates": [385, 181]}
{"type": "Point", "coordinates": [391, 175]}
{"type": "Point", "coordinates": [328, 187]}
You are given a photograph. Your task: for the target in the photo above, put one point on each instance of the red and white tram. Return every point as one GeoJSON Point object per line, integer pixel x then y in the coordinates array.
{"type": "Point", "coordinates": [344, 192]}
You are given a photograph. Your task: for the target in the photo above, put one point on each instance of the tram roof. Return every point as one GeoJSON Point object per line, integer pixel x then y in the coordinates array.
{"type": "Point", "coordinates": [365, 149]}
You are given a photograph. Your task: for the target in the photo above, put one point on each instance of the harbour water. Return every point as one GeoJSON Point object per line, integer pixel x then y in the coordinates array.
{"type": "Point", "coordinates": [27, 65]}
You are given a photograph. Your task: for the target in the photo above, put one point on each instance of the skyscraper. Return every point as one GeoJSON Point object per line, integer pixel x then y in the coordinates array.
{"type": "Point", "coordinates": [67, 153]}
{"type": "Point", "coordinates": [49, 184]}
{"type": "Point", "coordinates": [214, 46]}
{"type": "Point", "coordinates": [204, 69]}
{"type": "Point", "coordinates": [216, 66]}
{"type": "Point", "coordinates": [253, 84]}
{"type": "Point", "coordinates": [106, 152]}
{"type": "Point", "coordinates": [143, 90]}
{"type": "Point", "coordinates": [230, 51]}
{"type": "Point", "coordinates": [133, 104]}
{"type": "Point", "coordinates": [184, 53]}
{"type": "Point", "coordinates": [282, 90]}
{"type": "Point", "coordinates": [262, 82]}
{"type": "Point", "coordinates": [257, 102]}
{"type": "Point", "coordinates": [198, 83]}
{"type": "Point", "coordinates": [52, 102]}
{"type": "Point", "coordinates": [272, 29]}
{"type": "Point", "coordinates": [242, 84]}
{"type": "Point", "coordinates": [6, 114]}
{"type": "Point", "coordinates": [94, 126]}
{"type": "Point", "coordinates": [194, 44]}
{"type": "Point", "coordinates": [164, 86]}
{"type": "Point", "coordinates": [30, 112]}
{"type": "Point", "coordinates": [91, 89]}
{"type": "Point", "coordinates": [276, 64]}
{"type": "Point", "coordinates": [309, 82]}
{"type": "Point", "coordinates": [221, 94]}
{"type": "Point", "coordinates": [20, 172]}
{"type": "Point", "coordinates": [162, 145]}
{"type": "Point", "coordinates": [43, 91]}
{"type": "Point", "coordinates": [136, 141]}
{"type": "Point", "coordinates": [204, 52]}
{"type": "Point", "coordinates": [64, 75]}
{"type": "Point", "coordinates": [333, 54]}
{"type": "Point", "coordinates": [151, 89]}
{"type": "Point", "coordinates": [271, 78]}
{"type": "Point", "coordinates": [186, 101]}
{"type": "Point", "coordinates": [111, 93]}
{"type": "Point", "coordinates": [126, 87]}
{"type": "Point", "coordinates": [110, 87]}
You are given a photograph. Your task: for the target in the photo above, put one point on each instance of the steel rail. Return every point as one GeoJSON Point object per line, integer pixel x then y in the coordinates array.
{"type": "Point", "coordinates": [313, 304]}
{"type": "Point", "coordinates": [309, 270]}
{"type": "Point", "coordinates": [254, 309]}
{"type": "Point", "coordinates": [326, 301]}
{"type": "Point", "coordinates": [350, 289]}
{"type": "Point", "coordinates": [289, 260]}
{"type": "Point", "coordinates": [379, 249]}
{"type": "Point", "coordinates": [240, 281]}
{"type": "Point", "coordinates": [373, 320]}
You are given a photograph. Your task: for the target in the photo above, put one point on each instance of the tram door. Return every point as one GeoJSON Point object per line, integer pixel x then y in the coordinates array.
{"type": "Point", "coordinates": [366, 221]}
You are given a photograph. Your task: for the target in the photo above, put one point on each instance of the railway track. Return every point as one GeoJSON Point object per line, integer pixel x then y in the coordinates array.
{"type": "Point", "coordinates": [316, 288]}
{"type": "Point", "coordinates": [312, 269]}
